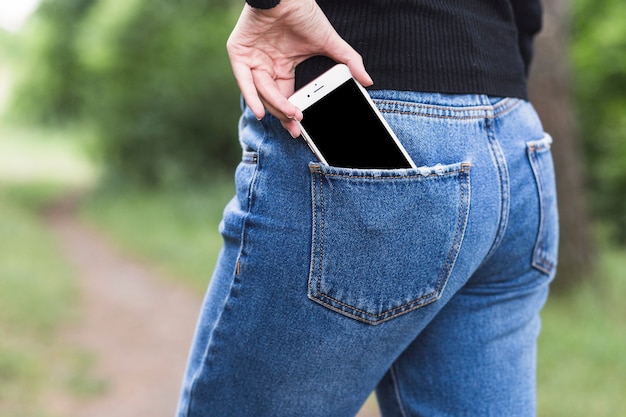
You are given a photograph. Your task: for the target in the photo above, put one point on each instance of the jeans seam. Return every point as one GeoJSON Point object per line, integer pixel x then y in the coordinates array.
{"type": "Point", "coordinates": [396, 390]}
{"type": "Point", "coordinates": [476, 112]}
{"type": "Point", "coordinates": [314, 246]}
{"type": "Point", "coordinates": [252, 158]}
{"type": "Point", "coordinates": [255, 160]}
{"type": "Point", "coordinates": [544, 265]}
{"type": "Point", "coordinates": [433, 296]}
{"type": "Point", "coordinates": [499, 161]}
{"type": "Point", "coordinates": [505, 106]}
{"type": "Point", "coordinates": [464, 166]}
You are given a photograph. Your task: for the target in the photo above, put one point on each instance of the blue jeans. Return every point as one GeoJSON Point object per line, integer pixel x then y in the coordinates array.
{"type": "Point", "coordinates": [425, 285]}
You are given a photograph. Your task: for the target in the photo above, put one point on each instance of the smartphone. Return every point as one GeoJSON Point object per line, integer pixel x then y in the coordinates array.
{"type": "Point", "coordinates": [343, 127]}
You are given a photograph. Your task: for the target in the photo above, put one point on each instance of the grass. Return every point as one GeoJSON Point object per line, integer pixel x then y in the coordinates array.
{"type": "Point", "coordinates": [174, 229]}
{"type": "Point", "coordinates": [582, 360]}
{"type": "Point", "coordinates": [582, 352]}
{"type": "Point", "coordinates": [53, 156]}
{"type": "Point", "coordinates": [38, 292]}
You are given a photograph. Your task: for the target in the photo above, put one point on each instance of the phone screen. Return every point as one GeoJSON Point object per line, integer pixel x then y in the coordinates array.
{"type": "Point", "coordinates": [349, 134]}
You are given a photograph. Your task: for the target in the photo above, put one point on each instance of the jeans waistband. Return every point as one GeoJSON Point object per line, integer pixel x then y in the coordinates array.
{"type": "Point", "coordinates": [456, 106]}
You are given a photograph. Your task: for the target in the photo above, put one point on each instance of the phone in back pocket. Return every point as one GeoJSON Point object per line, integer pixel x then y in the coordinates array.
{"type": "Point", "coordinates": [343, 127]}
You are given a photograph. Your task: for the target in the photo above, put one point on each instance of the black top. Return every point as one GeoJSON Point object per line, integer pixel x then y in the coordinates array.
{"type": "Point", "coordinates": [445, 46]}
{"type": "Point", "coordinates": [263, 4]}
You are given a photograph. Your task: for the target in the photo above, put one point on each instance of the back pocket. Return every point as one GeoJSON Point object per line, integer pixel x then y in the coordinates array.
{"type": "Point", "coordinates": [385, 241]}
{"type": "Point", "coordinates": [545, 253]}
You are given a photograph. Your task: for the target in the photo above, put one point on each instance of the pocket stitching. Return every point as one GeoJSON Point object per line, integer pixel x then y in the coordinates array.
{"type": "Point", "coordinates": [540, 261]}
{"type": "Point", "coordinates": [315, 290]}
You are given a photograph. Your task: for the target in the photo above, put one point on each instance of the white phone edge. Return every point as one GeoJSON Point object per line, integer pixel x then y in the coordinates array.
{"type": "Point", "coordinates": [323, 85]}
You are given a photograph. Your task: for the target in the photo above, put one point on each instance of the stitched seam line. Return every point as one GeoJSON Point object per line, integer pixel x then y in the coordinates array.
{"type": "Point", "coordinates": [490, 112]}
{"type": "Point", "coordinates": [454, 250]}
{"type": "Point", "coordinates": [316, 264]}
{"type": "Point", "coordinates": [539, 261]}
{"type": "Point", "coordinates": [322, 240]}
{"type": "Point", "coordinates": [396, 390]}
{"type": "Point", "coordinates": [394, 177]}
{"type": "Point", "coordinates": [404, 308]}
{"type": "Point", "coordinates": [503, 180]}
{"type": "Point", "coordinates": [236, 272]}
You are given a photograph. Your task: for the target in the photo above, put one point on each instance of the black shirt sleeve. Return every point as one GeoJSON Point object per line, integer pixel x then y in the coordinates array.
{"type": "Point", "coordinates": [263, 4]}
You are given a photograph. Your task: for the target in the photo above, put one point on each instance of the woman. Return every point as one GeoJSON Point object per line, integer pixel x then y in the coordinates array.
{"type": "Point", "coordinates": [333, 281]}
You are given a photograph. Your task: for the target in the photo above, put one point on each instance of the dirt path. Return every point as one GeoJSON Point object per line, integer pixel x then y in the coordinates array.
{"type": "Point", "coordinates": [137, 323]}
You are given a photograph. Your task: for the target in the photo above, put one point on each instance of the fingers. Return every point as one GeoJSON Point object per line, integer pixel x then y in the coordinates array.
{"type": "Point", "coordinates": [293, 127]}
{"type": "Point", "coordinates": [342, 52]}
{"type": "Point", "coordinates": [276, 102]}
{"type": "Point", "coordinates": [260, 92]}
{"type": "Point", "coordinates": [245, 81]}
{"type": "Point", "coordinates": [291, 123]}
{"type": "Point", "coordinates": [359, 73]}
{"type": "Point", "coordinates": [271, 94]}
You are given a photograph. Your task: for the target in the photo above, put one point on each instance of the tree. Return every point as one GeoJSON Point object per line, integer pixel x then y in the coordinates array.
{"type": "Point", "coordinates": [551, 94]}
{"type": "Point", "coordinates": [162, 94]}
{"type": "Point", "coordinates": [50, 85]}
{"type": "Point", "coordinates": [599, 36]}
{"type": "Point", "coordinates": [151, 76]}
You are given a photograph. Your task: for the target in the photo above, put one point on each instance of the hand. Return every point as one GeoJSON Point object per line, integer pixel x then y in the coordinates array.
{"type": "Point", "coordinates": [266, 46]}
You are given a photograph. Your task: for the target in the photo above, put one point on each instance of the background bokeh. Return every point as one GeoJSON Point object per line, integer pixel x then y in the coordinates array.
{"type": "Point", "coordinates": [124, 114]}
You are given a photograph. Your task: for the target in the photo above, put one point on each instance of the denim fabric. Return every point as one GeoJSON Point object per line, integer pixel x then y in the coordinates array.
{"type": "Point", "coordinates": [424, 284]}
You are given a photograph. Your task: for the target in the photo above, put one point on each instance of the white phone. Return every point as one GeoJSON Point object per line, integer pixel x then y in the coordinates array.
{"type": "Point", "coordinates": [343, 127]}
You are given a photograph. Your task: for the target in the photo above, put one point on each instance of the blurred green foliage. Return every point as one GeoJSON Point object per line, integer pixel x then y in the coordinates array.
{"type": "Point", "coordinates": [152, 77]}
{"type": "Point", "coordinates": [599, 58]}
{"type": "Point", "coordinates": [154, 80]}
{"type": "Point", "coordinates": [163, 92]}
{"type": "Point", "coordinates": [51, 76]}
{"type": "Point", "coordinates": [37, 297]}
{"type": "Point", "coordinates": [176, 228]}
